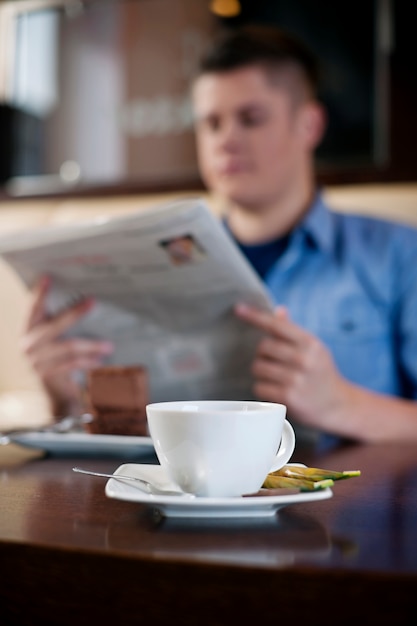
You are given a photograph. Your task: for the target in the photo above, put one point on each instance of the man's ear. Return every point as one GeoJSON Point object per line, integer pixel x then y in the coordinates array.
{"type": "Point", "coordinates": [314, 123]}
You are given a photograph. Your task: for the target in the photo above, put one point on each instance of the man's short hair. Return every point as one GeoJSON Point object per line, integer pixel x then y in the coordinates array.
{"type": "Point", "coordinates": [267, 46]}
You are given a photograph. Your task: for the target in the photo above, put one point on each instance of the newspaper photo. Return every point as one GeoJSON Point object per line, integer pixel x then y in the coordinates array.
{"type": "Point", "coordinates": [165, 281]}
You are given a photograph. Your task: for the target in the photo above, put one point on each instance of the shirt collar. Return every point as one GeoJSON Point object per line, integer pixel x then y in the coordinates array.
{"type": "Point", "coordinates": [319, 225]}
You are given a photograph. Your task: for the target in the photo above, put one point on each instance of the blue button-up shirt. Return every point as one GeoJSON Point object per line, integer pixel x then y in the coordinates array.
{"type": "Point", "coordinates": [352, 281]}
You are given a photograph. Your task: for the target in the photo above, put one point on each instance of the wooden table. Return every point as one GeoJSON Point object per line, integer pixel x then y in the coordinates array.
{"type": "Point", "coordinates": [70, 555]}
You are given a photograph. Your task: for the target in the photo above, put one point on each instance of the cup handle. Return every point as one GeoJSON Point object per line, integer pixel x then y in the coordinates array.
{"type": "Point", "coordinates": [286, 447]}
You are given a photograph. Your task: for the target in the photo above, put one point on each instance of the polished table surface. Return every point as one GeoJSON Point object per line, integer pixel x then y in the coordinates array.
{"type": "Point", "coordinates": [71, 555]}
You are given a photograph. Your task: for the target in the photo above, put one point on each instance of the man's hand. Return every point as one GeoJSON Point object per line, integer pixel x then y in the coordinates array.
{"type": "Point", "coordinates": [56, 359]}
{"type": "Point", "coordinates": [294, 368]}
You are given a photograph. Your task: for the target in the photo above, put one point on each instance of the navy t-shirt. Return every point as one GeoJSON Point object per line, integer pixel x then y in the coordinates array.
{"type": "Point", "coordinates": [263, 256]}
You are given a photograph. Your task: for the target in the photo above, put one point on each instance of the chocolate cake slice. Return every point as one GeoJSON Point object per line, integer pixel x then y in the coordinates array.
{"type": "Point", "coordinates": [116, 398]}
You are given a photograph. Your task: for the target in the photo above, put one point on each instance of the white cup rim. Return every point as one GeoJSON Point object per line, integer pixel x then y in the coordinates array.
{"type": "Point", "coordinates": [204, 406]}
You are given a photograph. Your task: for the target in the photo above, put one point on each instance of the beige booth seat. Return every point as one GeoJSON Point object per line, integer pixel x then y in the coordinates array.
{"type": "Point", "coordinates": [22, 401]}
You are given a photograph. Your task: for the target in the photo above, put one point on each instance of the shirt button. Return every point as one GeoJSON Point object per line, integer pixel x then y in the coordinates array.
{"type": "Point", "coordinates": [348, 325]}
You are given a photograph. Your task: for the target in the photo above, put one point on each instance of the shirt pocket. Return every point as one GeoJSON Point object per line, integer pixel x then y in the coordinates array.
{"type": "Point", "coordinates": [355, 319]}
{"type": "Point", "coordinates": [360, 337]}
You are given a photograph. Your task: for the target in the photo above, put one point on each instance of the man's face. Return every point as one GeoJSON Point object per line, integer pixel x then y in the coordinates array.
{"type": "Point", "coordinates": [250, 139]}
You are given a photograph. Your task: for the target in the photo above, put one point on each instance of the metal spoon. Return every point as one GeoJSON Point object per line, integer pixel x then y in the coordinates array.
{"type": "Point", "coordinates": [143, 484]}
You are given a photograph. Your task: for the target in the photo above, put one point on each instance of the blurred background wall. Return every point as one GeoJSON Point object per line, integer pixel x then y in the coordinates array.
{"type": "Point", "coordinates": [94, 93]}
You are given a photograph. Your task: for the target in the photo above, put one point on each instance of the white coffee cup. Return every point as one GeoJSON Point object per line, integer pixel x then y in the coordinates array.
{"type": "Point", "coordinates": [220, 448]}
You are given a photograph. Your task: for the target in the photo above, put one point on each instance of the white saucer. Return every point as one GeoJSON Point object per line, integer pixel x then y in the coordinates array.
{"type": "Point", "coordinates": [183, 506]}
{"type": "Point", "coordinates": [86, 444]}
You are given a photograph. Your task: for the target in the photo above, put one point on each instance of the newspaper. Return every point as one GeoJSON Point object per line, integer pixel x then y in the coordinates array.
{"type": "Point", "coordinates": [165, 282]}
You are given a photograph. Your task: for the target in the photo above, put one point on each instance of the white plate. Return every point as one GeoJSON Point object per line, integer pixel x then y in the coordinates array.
{"type": "Point", "coordinates": [182, 506]}
{"type": "Point", "coordinates": [86, 444]}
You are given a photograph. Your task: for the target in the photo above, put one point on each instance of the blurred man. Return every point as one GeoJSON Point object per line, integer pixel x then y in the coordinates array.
{"type": "Point", "coordinates": [341, 348]}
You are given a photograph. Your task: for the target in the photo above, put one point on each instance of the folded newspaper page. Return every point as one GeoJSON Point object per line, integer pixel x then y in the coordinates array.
{"type": "Point", "coordinates": [165, 281]}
